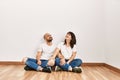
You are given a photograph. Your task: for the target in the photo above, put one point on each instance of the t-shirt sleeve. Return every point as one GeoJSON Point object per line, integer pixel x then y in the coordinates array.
{"type": "Point", "coordinates": [74, 48]}
{"type": "Point", "coordinates": [40, 49]}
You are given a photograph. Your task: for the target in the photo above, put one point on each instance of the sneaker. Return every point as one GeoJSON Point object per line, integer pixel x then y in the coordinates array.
{"type": "Point", "coordinates": [77, 70]}
{"type": "Point", "coordinates": [47, 69]}
{"type": "Point", "coordinates": [57, 68]}
{"type": "Point", "coordinates": [27, 68]}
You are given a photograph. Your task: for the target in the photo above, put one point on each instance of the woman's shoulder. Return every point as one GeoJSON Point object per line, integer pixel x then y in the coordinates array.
{"type": "Point", "coordinates": [75, 45]}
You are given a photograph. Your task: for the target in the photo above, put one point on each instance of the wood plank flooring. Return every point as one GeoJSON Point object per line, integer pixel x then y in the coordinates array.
{"type": "Point", "coordinates": [16, 72]}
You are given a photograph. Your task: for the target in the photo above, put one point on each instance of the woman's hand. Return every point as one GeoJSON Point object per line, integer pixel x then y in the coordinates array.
{"type": "Point", "coordinates": [68, 62]}
{"type": "Point", "coordinates": [62, 61]}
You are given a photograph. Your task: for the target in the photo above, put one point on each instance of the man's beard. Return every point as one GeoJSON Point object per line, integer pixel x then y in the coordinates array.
{"type": "Point", "coordinates": [50, 40]}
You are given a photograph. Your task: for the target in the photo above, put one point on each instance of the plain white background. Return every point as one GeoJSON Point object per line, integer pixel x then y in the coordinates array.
{"type": "Point", "coordinates": [96, 24]}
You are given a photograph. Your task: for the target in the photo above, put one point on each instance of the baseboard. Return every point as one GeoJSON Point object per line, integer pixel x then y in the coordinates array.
{"type": "Point", "coordinates": [84, 64]}
{"type": "Point", "coordinates": [10, 63]}
{"type": "Point", "coordinates": [112, 68]}
{"type": "Point", "coordinates": [93, 64]}
{"type": "Point", "coordinates": [20, 63]}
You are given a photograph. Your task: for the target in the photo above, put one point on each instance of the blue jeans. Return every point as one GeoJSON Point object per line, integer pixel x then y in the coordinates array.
{"type": "Point", "coordinates": [32, 63]}
{"type": "Point", "coordinates": [73, 63]}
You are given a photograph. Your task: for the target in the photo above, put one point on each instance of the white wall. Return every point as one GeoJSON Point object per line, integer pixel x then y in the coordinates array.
{"type": "Point", "coordinates": [112, 49]}
{"type": "Point", "coordinates": [23, 23]}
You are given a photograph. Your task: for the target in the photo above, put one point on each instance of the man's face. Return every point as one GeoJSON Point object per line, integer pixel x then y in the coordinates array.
{"type": "Point", "coordinates": [48, 37]}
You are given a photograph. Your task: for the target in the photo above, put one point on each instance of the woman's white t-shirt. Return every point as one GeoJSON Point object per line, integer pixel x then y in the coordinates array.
{"type": "Point", "coordinates": [46, 50]}
{"type": "Point", "coordinates": [66, 51]}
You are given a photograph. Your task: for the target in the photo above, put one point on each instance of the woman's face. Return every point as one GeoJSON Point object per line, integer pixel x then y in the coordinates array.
{"type": "Point", "coordinates": [68, 37]}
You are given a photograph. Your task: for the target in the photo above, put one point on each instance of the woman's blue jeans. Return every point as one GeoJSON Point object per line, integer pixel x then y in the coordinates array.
{"type": "Point", "coordinates": [73, 63]}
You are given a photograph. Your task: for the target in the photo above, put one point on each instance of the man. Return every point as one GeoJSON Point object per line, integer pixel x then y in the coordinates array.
{"type": "Point", "coordinates": [43, 61]}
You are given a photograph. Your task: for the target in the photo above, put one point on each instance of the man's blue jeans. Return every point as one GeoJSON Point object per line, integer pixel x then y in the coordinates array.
{"type": "Point", "coordinates": [73, 63]}
{"type": "Point", "coordinates": [32, 63]}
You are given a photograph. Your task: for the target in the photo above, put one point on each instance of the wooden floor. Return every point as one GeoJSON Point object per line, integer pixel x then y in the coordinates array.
{"type": "Point", "coordinates": [16, 72]}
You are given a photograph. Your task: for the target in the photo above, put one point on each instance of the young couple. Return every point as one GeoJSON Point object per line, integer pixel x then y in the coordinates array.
{"type": "Point", "coordinates": [62, 56]}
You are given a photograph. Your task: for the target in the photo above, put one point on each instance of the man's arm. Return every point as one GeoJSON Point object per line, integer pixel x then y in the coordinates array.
{"type": "Point", "coordinates": [55, 53]}
{"type": "Point", "coordinates": [60, 55]}
{"type": "Point", "coordinates": [38, 57]}
{"type": "Point", "coordinates": [62, 59]}
{"type": "Point", "coordinates": [51, 61]}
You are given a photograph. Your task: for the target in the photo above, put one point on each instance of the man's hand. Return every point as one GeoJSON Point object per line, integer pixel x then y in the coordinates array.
{"type": "Point", "coordinates": [39, 62]}
{"type": "Point", "coordinates": [62, 61]}
{"type": "Point", "coordinates": [51, 62]}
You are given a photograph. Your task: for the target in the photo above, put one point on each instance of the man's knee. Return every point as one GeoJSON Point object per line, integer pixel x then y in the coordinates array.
{"type": "Point", "coordinates": [24, 59]}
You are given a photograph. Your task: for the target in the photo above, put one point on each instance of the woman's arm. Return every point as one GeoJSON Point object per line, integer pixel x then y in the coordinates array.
{"type": "Point", "coordinates": [72, 57]}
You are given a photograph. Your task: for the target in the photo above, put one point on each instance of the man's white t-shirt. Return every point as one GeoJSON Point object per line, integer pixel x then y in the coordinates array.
{"type": "Point", "coordinates": [66, 51]}
{"type": "Point", "coordinates": [46, 50]}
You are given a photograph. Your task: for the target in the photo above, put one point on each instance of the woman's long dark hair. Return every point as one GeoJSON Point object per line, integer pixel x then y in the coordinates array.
{"type": "Point", "coordinates": [73, 39]}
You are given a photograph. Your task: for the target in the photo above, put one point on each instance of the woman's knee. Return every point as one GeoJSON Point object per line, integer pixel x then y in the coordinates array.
{"type": "Point", "coordinates": [24, 59]}
{"type": "Point", "coordinates": [79, 61]}
{"type": "Point", "coordinates": [57, 61]}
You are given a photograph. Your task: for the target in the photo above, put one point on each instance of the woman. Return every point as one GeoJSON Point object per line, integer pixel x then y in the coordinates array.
{"type": "Point", "coordinates": [67, 52]}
